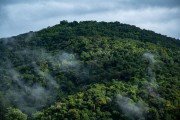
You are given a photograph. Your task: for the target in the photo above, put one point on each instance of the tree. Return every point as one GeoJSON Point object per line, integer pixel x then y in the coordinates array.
{"type": "Point", "coordinates": [15, 114]}
{"type": "Point", "coordinates": [64, 22]}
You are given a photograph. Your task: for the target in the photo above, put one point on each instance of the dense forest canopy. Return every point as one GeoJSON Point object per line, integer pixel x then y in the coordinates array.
{"type": "Point", "coordinates": [90, 70]}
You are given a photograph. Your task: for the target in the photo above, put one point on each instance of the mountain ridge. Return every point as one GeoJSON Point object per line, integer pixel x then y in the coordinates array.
{"type": "Point", "coordinates": [90, 70]}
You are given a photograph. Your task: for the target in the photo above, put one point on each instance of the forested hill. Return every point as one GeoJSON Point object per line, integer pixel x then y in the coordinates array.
{"type": "Point", "coordinates": [66, 30]}
{"type": "Point", "coordinates": [90, 71]}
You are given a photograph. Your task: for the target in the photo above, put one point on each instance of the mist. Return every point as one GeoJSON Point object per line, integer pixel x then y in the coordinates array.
{"type": "Point", "coordinates": [32, 96]}
{"type": "Point", "coordinates": [152, 85]}
{"type": "Point", "coordinates": [137, 110]}
{"type": "Point", "coordinates": [133, 110]}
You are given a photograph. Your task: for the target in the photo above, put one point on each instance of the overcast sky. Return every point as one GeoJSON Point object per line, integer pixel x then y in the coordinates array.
{"type": "Point", "coordinates": [20, 16]}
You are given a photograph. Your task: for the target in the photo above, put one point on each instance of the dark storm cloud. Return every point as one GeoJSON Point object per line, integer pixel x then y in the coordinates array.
{"type": "Point", "coordinates": [18, 16]}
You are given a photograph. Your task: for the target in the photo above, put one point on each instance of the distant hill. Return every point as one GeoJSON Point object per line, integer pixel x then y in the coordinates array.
{"type": "Point", "coordinates": [90, 70]}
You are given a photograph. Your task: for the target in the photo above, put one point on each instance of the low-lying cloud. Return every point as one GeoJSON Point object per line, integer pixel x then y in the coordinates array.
{"type": "Point", "coordinates": [133, 110]}
{"type": "Point", "coordinates": [151, 85]}
{"type": "Point", "coordinates": [34, 95]}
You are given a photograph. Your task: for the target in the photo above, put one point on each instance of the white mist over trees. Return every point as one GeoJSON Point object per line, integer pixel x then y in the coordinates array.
{"type": "Point", "coordinates": [133, 110]}
{"type": "Point", "coordinates": [30, 98]}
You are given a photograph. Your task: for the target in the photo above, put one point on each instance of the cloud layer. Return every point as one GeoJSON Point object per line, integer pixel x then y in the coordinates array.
{"type": "Point", "coordinates": [19, 16]}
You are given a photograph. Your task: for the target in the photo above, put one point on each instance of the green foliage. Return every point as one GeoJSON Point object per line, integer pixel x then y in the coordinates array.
{"type": "Point", "coordinates": [77, 71]}
{"type": "Point", "coordinates": [15, 114]}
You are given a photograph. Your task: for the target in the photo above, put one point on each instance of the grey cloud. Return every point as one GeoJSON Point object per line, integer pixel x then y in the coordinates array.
{"type": "Point", "coordinates": [6, 2]}
{"type": "Point", "coordinates": [117, 3]}
{"type": "Point", "coordinates": [59, 8]}
{"type": "Point", "coordinates": [18, 16]}
{"type": "Point", "coordinates": [164, 3]}
{"type": "Point", "coordinates": [168, 3]}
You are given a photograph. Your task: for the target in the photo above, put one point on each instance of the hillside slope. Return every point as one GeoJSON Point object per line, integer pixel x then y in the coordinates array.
{"type": "Point", "coordinates": [90, 70]}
